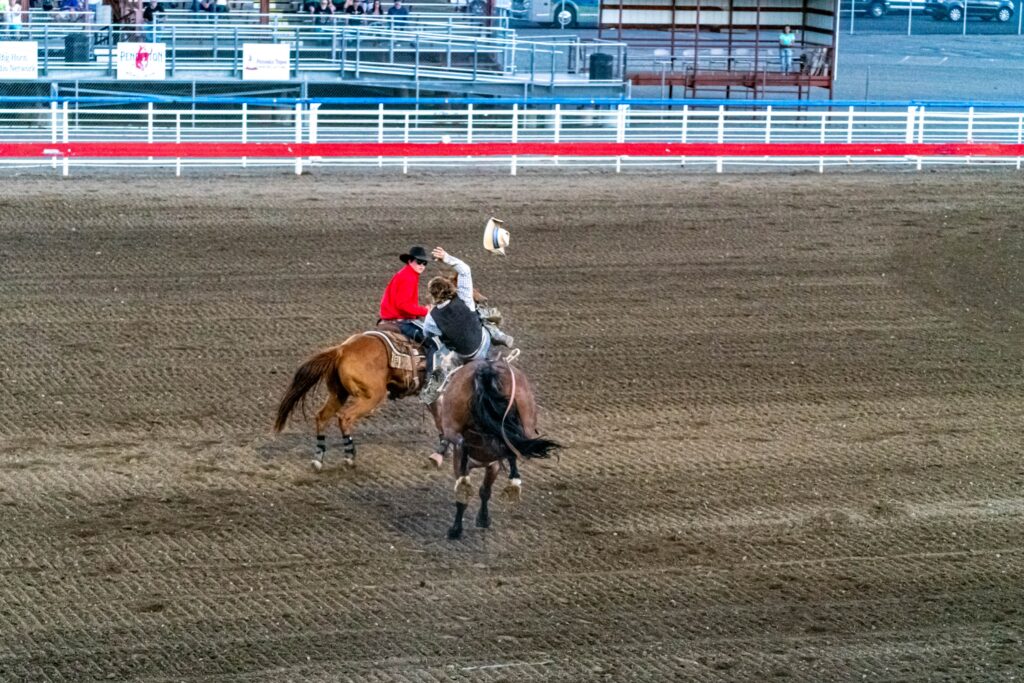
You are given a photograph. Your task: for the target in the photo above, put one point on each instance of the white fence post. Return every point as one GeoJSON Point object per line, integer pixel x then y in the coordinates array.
{"type": "Point", "coordinates": [908, 136]}
{"type": "Point", "coordinates": [920, 134]}
{"type": "Point", "coordinates": [177, 140]}
{"type": "Point", "coordinates": [620, 133]}
{"type": "Point", "coordinates": [685, 131]}
{"type": "Point", "coordinates": [298, 136]}
{"type": "Point", "coordinates": [721, 135]}
{"type": "Point", "coordinates": [1020, 134]}
{"type": "Point", "coordinates": [66, 137]}
{"type": "Point", "coordinates": [515, 136]}
{"type": "Point", "coordinates": [821, 139]}
{"type": "Point", "coordinates": [314, 121]}
{"type": "Point", "coordinates": [380, 132]}
{"type": "Point", "coordinates": [53, 132]}
{"type": "Point", "coordinates": [469, 126]}
{"type": "Point", "coordinates": [405, 139]}
{"type": "Point", "coordinates": [149, 125]}
{"type": "Point", "coordinates": [849, 131]}
{"type": "Point", "coordinates": [768, 124]}
{"type": "Point", "coordinates": [970, 126]}
{"type": "Point", "coordinates": [245, 129]}
{"type": "Point", "coordinates": [558, 126]}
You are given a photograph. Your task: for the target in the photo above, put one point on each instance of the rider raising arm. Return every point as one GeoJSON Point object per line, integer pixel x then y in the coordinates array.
{"type": "Point", "coordinates": [465, 284]}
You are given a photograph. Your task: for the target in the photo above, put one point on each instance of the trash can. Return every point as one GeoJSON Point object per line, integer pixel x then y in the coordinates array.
{"type": "Point", "coordinates": [77, 48]}
{"type": "Point", "coordinates": [601, 67]}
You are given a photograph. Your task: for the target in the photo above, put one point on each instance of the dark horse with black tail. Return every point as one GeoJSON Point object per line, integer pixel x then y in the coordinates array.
{"type": "Point", "coordinates": [489, 415]}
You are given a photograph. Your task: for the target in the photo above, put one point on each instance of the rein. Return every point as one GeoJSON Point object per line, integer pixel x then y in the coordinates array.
{"type": "Point", "coordinates": [511, 401]}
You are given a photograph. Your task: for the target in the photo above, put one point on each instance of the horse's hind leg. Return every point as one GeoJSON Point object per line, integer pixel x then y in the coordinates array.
{"type": "Point", "coordinates": [323, 416]}
{"type": "Point", "coordinates": [483, 518]}
{"type": "Point", "coordinates": [356, 407]}
{"type": "Point", "coordinates": [463, 489]}
{"type": "Point", "coordinates": [437, 457]}
{"type": "Point", "coordinates": [514, 491]}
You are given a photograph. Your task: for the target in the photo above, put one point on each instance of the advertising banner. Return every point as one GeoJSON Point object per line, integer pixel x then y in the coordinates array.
{"type": "Point", "coordinates": [19, 60]}
{"type": "Point", "coordinates": [266, 61]}
{"type": "Point", "coordinates": [141, 61]}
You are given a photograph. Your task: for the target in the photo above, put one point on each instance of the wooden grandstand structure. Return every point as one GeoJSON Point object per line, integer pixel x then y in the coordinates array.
{"type": "Point", "coordinates": [714, 48]}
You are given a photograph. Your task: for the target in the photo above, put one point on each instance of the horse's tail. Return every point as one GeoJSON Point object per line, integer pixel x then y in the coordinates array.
{"type": "Point", "coordinates": [322, 366]}
{"type": "Point", "coordinates": [492, 416]}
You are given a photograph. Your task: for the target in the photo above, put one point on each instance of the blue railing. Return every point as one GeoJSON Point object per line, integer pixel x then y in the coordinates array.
{"type": "Point", "coordinates": [535, 102]}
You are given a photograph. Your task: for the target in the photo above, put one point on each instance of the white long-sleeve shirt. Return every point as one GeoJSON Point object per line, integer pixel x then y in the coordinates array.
{"type": "Point", "coordinates": [464, 291]}
{"type": "Point", "coordinates": [465, 287]}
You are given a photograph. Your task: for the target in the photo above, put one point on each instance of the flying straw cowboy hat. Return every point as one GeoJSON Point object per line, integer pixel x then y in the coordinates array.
{"type": "Point", "coordinates": [495, 236]}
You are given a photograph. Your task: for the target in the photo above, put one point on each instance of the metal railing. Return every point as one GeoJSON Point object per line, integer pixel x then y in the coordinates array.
{"type": "Point", "coordinates": [441, 51]}
{"type": "Point", "coordinates": [621, 135]}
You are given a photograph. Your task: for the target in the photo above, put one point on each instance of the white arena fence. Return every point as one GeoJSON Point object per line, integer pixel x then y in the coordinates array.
{"type": "Point", "coordinates": [309, 134]}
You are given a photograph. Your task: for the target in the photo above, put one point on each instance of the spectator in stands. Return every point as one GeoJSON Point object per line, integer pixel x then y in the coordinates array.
{"type": "Point", "coordinates": [14, 21]}
{"type": "Point", "coordinates": [397, 10]}
{"type": "Point", "coordinates": [374, 9]}
{"type": "Point", "coordinates": [352, 7]}
{"type": "Point", "coordinates": [203, 5]}
{"type": "Point", "coordinates": [221, 6]}
{"type": "Point", "coordinates": [70, 10]}
{"type": "Point", "coordinates": [323, 11]}
{"type": "Point", "coordinates": [151, 9]}
{"type": "Point", "coordinates": [786, 40]}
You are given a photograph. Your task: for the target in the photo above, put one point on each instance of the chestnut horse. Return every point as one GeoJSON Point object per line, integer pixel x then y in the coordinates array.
{"type": "Point", "coordinates": [358, 377]}
{"type": "Point", "coordinates": [489, 415]}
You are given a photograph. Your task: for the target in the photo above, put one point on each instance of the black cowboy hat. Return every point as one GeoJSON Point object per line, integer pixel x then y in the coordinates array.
{"type": "Point", "coordinates": [418, 253]}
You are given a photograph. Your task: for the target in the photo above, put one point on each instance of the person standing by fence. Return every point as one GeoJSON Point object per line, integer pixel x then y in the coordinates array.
{"type": "Point", "coordinates": [786, 40]}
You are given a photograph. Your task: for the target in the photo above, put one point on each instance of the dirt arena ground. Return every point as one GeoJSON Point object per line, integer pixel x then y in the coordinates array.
{"type": "Point", "coordinates": [793, 410]}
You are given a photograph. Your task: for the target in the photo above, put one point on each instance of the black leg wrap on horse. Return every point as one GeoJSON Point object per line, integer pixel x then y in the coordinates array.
{"type": "Point", "coordinates": [456, 529]}
{"type": "Point", "coordinates": [321, 443]}
{"type": "Point", "coordinates": [350, 446]}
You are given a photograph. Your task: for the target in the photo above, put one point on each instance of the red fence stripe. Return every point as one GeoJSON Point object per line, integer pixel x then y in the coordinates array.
{"type": "Point", "coordinates": [229, 150]}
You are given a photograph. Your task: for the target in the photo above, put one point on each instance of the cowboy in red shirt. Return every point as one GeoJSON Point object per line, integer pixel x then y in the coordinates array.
{"type": "Point", "coordinates": [400, 303]}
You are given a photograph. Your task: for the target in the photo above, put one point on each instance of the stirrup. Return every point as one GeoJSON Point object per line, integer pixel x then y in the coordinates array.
{"type": "Point", "coordinates": [512, 355]}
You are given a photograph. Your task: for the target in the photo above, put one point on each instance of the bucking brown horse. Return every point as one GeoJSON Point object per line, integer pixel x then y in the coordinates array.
{"type": "Point", "coordinates": [489, 416]}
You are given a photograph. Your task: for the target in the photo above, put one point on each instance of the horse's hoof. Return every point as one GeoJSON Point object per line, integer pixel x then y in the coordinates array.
{"type": "Point", "coordinates": [483, 522]}
{"type": "Point", "coordinates": [349, 462]}
{"type": "Point", "coordinates": [463, 490]}
{"type": "Point", "coordinates": [435, 460]}
{"type": "Point", "coordinates": [514, 491]}
{"type": "Point", "coordinates": [454, 534]}
{"type": "Point", "coordinates": [317, 465]}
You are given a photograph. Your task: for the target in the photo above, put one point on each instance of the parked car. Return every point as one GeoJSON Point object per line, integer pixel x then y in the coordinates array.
{"type": "Point", "coordinates": [872, 8]}
{"type": "Point", "coordinates": [1000, 10]}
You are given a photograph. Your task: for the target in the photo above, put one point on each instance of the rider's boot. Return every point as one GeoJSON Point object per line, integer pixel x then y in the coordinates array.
{"type": "Point", "coordinates": [499, 337]}
{"type": "Point", "coordinates": [435, 375]}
